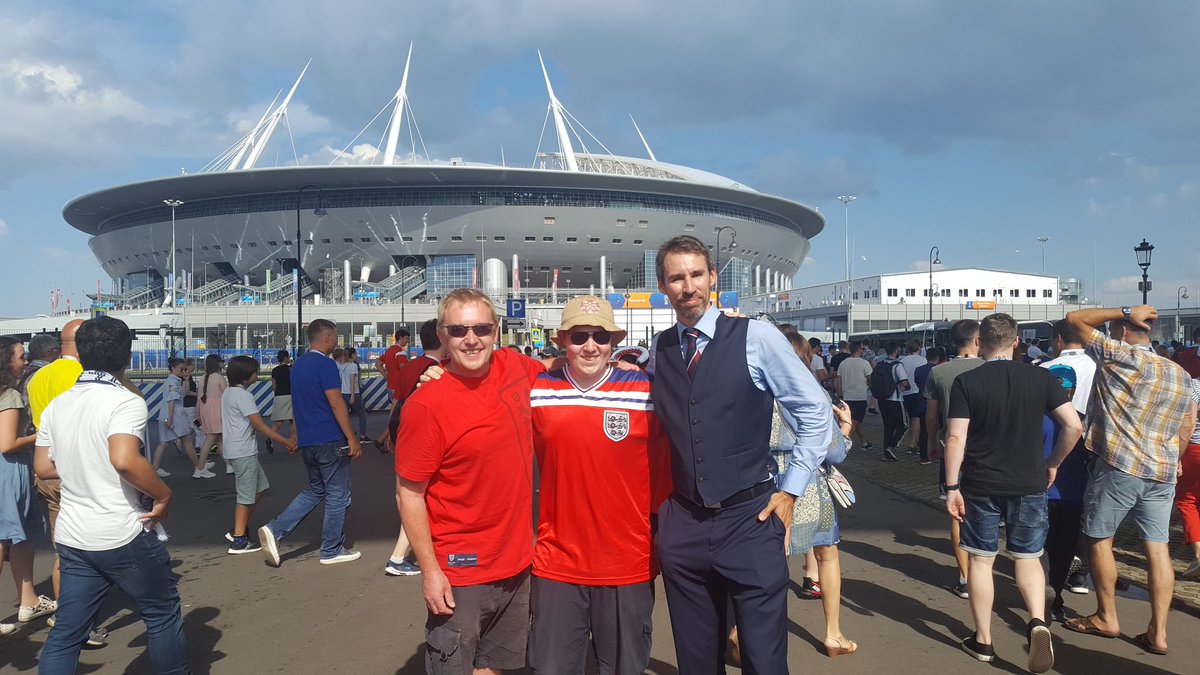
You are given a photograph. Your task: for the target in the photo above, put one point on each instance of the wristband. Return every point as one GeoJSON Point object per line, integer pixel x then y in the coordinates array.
{"type": "Point", "coordinates": [951, 487]}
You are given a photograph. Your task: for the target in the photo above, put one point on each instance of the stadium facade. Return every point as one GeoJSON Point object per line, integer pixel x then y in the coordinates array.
{"type": "Point", "coordinates": [402, 229]}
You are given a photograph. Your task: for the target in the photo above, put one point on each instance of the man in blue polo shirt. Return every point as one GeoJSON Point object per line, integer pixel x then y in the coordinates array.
{"type": "Point", "coordinates": [327, 445]}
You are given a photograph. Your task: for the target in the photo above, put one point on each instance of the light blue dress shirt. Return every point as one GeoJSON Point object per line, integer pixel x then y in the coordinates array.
{"type": "Point", "coordinates": [774, 367]}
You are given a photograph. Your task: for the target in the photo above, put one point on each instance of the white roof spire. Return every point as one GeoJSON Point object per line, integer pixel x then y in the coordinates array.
{"type": "Point", "coordinates": [644, 143]}
{"type": "Point", "coordinates": [261, 143]}
{"type": "Point", "coordinates": [560, 127]}
{"type": "Point", "coordinates": [248, 141]}
{"type": "Point", "coordinates": [393, 136]}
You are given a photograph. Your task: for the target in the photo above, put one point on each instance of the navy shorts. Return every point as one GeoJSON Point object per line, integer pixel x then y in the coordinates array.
{"type": "Point", "coordinates": [1025, 519]}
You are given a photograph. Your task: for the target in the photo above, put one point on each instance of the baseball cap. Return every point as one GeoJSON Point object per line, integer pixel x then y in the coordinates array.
{"type": "Point", "coordinates": [1065, 375]}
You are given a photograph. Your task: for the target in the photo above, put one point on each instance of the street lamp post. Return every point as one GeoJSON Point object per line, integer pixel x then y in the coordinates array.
{"type": "Point", "coordinates": [934, 259]}
{"type": "Point", "coordinates": [1143, 251]}
{"type": "Point", "coordinates": [732, 245]}
{"type": "Point", "coordinates": [1043, 240]}
{"type": "Point", "coordinates": [173, 203]}
{"type": "Point", "coordinates": [318, 211]}
{"type": "Point", "coordinates": [1180, 295]}
{"type": "Point", "coordinates": [403, 292]}
{"type": "Point", "coordinates": [845, 200]}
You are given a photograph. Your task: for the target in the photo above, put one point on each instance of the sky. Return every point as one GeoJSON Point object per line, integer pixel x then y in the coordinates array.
{"type": "Point", "coordinates": [975, 127]}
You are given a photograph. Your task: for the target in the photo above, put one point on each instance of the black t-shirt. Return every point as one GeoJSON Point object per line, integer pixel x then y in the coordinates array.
{"type": "Point", "coordinates": [837, 360]}
{"type": "Point", "coordinates": [190, 393]}
{"type": "Point", "coordinates": [1005, 402]}
{"type": "Point", "coordinates": [283, 380]}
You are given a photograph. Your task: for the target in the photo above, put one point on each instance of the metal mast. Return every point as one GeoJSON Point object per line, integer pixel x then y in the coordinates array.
{"type": "Point", "coordinates": [560, 127]}
{"type": "Point", "coordinates": [389, 153]}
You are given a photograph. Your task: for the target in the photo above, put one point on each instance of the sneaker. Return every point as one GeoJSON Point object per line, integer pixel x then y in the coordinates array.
{"type": "Point", "coordinates": [1057, 611]}
{"type": "Point", "coordinates": [1041, 647]}
{"type": "Point", "coordinates": [942, 492]}
{"type": "Point", "coordinates": [203, 473]}
{"type": "Point", "coordinates": [1192, 572]}
{"type": "Point", "coordinates": [404, 568]}
{"type": "Point", "coordinates": [868, 446]}
{"type": "Point", "coordinates": [979, 651]}
{"type": "Point", "coordinates": [926, 462]}
{"type": "Point", "coordinates": [1077, 583]}
{"type": "Point", "coordinates": [7, 628]}
{"type": "Point", "coordinates": [912, 451]}
{"type": "Point", "coordinates": [241, 545]}
{"type": "Point", "coordinates": [1076, 566]}
{"type": "Point", "coordinates": [889, 455]}
{"type": "Point", "coordinates": [270, 547]}
{"type": "Point", "coordinates": [960, 589]}
{"type": "Point", "coordinates": [45, 606]}
{"type": "Point", "coordinates": [347, 555]}
{"type": "Point", "coordinates": [809, 589]}
{"type": "Point", "coordinates": [97, 638]}
{"type": "Point", "coordinates": [228, 469]}
{"type": "Point", "coordinates": [162, 473]}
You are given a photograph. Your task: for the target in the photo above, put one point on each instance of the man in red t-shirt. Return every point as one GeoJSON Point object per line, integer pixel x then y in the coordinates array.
{"type": "Point", "coordinates": [390, 363]}
{"type": "Point", "coordinates": [464, 482]}
{"type": "Point", "coordinates": [605, 467]}
{"type": "Point", "coordinates": [401, 563]}
{"type": "Point", "coordinates": [1189, 357]}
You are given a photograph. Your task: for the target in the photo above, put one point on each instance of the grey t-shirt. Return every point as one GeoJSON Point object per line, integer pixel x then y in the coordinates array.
{"type": "Point", "coordinates": [237, 405]}
{"type": "Point", "coordinates": [941, 379]}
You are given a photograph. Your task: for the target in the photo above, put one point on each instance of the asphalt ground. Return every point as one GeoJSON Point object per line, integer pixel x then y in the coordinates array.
{"type": "Point", "coordinates": [242, 616]}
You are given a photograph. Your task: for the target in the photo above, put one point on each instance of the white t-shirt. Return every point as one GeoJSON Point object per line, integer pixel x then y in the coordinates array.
{"type": "Point", "coordinates": [856, 374]}
{"type": "Point", "coordinates": [99, 511]}
{"type": "Point", "coordinates": [817, 364]}
{"type": "Point", "coordinates": [348, 372]}
{"type": "Point", "coordinates": [911, 363]}
{"type": "Point", "coordinates": [1085, 374]}
{"type": "Point", "coordinates": [237, 405]}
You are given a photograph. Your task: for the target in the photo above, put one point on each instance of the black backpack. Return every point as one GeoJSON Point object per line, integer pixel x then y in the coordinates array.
{"type": "Point", "coordinates": [883, 380]}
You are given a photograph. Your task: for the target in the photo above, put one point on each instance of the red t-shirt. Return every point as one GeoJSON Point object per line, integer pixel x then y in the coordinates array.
{"type": "Point", "coordinates": [605, 467]}
{"type": "Point", "coordinates": [393, 359]}
{"type": "Point", "coordinates": [471, 440]}
{"type": "Point", "coordinates": [1189, 358]}
{"type": "Point", "coordinates": [410, 374]}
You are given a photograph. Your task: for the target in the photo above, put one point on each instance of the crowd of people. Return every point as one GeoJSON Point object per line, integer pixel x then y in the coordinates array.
{"type": "Point", "coordinates": [705, 463]}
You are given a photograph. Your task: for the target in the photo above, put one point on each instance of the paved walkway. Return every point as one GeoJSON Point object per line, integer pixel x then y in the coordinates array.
{"type": "Point", "coordinates": [242, 616]}
{"type": "Point", "coordinates": [911, 479]}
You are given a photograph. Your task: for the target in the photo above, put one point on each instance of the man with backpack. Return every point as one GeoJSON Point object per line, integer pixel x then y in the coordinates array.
{"type": "Point", "coordinates": [888, 382]}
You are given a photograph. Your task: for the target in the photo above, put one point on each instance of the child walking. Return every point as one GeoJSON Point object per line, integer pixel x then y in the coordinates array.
{"type": "Point", "coordinates": [173, 428]}
{"type": "Point", "coordinates": [239, 420]}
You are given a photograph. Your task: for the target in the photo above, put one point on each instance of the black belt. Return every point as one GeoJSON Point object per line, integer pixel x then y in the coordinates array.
{"type": "Point", "coordinates": [739, 497]}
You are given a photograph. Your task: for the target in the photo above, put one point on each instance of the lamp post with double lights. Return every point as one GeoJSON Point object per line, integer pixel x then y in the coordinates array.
{"type": "Point", "coordinates": [934, 259]}
{"type": "Point", "coordinates": [845, 200]}
{"type": "Point", "coordinates": [1180, 296]}
{"type": "Point", "coordinates": [1043, 241]}
{"type": "Point", "coordinates": [732, 245]}
{"type": "Point", "coordinates": [174, 204]}
{"type": "Point", "coordinates": [318, 211]}
{"type": "Point", "coordinates": [1143, 251]}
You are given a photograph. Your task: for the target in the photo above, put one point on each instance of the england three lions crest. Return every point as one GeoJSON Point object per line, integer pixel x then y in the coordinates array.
{"type": "Point", "coordinates": [616, 424]}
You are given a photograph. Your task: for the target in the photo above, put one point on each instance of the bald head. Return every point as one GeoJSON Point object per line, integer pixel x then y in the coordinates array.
{"type": "Point", "coordinates": [67, 337]}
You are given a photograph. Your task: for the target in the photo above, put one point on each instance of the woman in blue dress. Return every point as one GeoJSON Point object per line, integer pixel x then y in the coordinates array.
{"type": "Point", "coordinates": [20, 513]}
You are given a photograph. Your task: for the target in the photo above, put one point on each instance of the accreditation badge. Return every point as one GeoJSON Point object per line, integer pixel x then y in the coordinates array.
{"type": "Point", "coordinates": [616, 424]}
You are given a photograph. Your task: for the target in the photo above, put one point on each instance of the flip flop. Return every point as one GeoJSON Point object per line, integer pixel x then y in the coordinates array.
{"type": "Point", "coordinates": [1084, 625]}
{"type": "Point", "coordinates": [1143, 641]}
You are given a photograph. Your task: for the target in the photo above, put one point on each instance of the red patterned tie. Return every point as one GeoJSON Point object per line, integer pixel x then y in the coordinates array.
{"type": "Point", "coordinates": [693, 353]}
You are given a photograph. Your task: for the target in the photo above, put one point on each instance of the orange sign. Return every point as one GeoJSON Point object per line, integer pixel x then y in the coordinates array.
{"type": "Point", "coordinates": [981, 304]}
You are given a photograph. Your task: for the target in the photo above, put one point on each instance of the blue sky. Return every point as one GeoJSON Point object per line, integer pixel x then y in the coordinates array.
{"type": "Point", "coordinates": [976, 127]}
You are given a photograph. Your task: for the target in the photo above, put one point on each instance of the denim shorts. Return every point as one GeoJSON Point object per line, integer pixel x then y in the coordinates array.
{"type": "Point", "coordinates": [1025, 520]}
{"type": "Point", "coordinates": [1113, 494]}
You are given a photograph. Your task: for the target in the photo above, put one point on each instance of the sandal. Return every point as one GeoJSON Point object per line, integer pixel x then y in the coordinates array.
{"type": "Point", "coordinates": [1143, 641]}
{"type": "Point", "coordinates": [841, 648]}
{"type": "Point", "coordinates": [1087, 627]}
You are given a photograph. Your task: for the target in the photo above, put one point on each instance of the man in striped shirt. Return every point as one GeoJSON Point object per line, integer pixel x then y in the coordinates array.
{"type": "Point", "coordinates": [1139, 419]}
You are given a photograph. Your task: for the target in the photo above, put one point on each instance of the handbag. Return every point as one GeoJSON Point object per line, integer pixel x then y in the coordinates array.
{"type": "Point", "coordinates": [839, 488]}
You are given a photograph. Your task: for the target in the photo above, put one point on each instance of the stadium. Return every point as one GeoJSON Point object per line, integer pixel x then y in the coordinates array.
{"type": "Point", "coordinates": [408, 229]}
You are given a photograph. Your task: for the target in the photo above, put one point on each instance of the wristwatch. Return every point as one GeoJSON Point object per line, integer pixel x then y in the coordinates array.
{"type": "Point", "coordinates": [951, 487]}
{"type": "Point", "coordinates": [1127, 312]}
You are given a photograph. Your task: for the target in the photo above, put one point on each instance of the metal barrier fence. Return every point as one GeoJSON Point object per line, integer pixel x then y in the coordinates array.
{"type": "Point", "coordinates": [374, 393]}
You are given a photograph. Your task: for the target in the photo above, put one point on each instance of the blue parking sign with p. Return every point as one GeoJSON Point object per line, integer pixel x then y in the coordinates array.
{"type": "Point", "coordinates": [516, 308]}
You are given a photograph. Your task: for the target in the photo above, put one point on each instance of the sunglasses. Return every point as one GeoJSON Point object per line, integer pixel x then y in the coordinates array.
{"type": "Point", "coordinates": [580, 337]}
{"type": "Point", "coordinates": [479, 329]}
